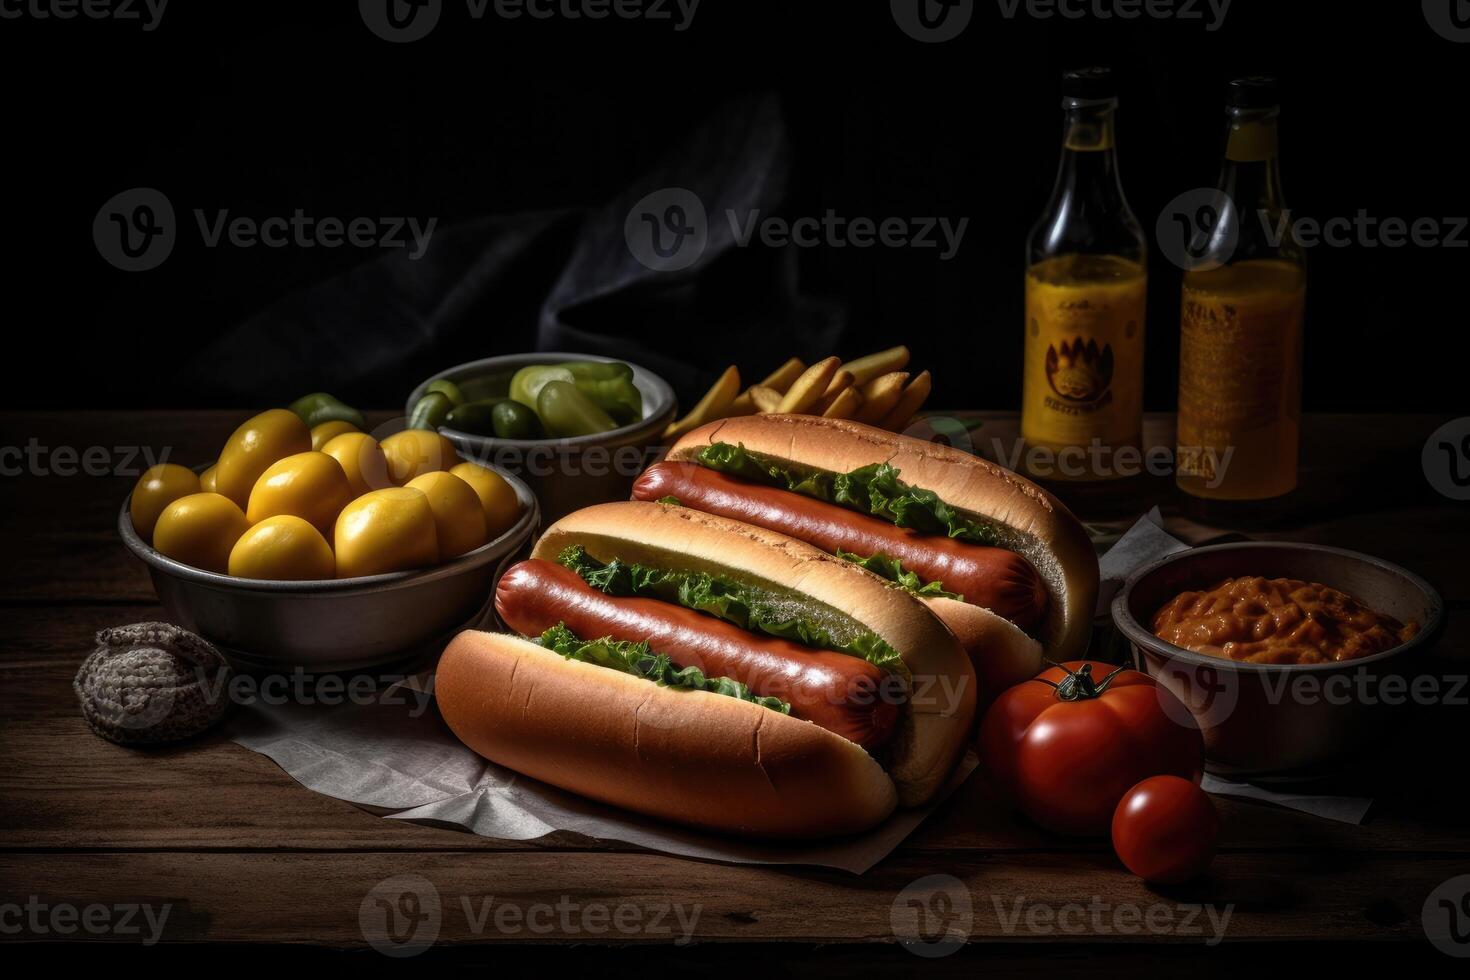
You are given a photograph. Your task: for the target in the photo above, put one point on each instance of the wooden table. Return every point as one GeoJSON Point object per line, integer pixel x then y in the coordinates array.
{"type": "Point", "coordinates": [242, 853]}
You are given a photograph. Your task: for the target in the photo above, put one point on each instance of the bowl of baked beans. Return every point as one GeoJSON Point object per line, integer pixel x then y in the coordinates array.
{"type": "Point", "coordinates": [1291, 657]}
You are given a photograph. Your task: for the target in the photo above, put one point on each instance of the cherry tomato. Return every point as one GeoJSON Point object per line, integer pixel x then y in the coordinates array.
{"type": "Point", "coordinates": [1164, 830]}
{"type": "Point", "coordinates": [1066, 745]}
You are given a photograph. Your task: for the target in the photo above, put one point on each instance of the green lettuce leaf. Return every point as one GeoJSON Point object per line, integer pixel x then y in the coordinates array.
{"type": "Point", "coordinates": [892, 569]}
{"type": "Point", "coordinates": [873, 489]}
{"type": "Point", "coordinates": [747, 606]}
{"type": "Point", "coordinates": [637, 659]}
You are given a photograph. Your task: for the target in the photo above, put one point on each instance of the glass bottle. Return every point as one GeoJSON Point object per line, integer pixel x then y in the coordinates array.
{"type": "Point", "coordinates": [1240, 352]}
{"type": "Point", "coordinates": [1086, 284]}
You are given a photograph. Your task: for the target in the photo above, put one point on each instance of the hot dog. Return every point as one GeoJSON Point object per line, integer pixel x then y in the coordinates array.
{"type": "Point", "coordinates": [936, 521]}
{"type": "Point", "coordinates": [999, 580]}
{"type": "Point", "coordinates": [837, 691]}
{"type": "Point", "coordinates": [700, 670]}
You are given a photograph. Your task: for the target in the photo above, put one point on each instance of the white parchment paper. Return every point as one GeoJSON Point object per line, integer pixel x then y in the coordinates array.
{"type": "Point", "coordinates": [397, 754]}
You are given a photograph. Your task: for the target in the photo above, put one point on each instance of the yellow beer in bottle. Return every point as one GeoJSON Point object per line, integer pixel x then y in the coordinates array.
{"type": "Point", "coordinates": [1240, 355]}
{"type": "Point", "coordinates": [1086, 283]}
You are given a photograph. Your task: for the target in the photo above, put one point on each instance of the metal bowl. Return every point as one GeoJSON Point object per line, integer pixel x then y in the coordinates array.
{"type": "Point", "coordinates": [1281, 719]}
{"type": "Point", "coordinates": [334, 625]}
{"type": "Point", "coordinates": [567, 474]}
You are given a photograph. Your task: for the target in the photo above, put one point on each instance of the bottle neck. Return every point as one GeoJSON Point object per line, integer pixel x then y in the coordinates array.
{"type": "Point", "coordinates": [1251, 174]}
{"type": "Point", "coordinates": [1087, 213]}
{"type": "Point", "coordinates": [1089, 166]}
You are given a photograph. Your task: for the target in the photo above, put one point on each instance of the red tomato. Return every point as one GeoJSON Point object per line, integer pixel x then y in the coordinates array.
{"type": "Point", "coordinates": [1066, 745]}
{"type": "Point", "coordinates": [1165, 830]}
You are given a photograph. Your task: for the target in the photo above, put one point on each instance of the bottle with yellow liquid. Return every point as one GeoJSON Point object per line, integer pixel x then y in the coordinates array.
{"type": "Point", "coordinates": [1240, 358]}
{"type": "Point", "coordinates": [1086, 282]}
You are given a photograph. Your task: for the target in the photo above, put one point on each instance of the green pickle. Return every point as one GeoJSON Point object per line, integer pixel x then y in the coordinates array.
{"type": "Point", "coordinates": [319, 407]}
{"type": "Point", "coordinates": [476, 418]}
{"type": "Point", "coordinates": [429, 412]}
{"type": "Point", "coordinates": [512, 420]}
{"type": "Point", "coordinates": [448, 389]}
{"type": "Point", "coordinates": [566, 412]}
{"type": "Point", "coordinates": [526, 386]}
{"type": "Point", "coordinates": [598, 370]}
{"type": "Point", "coordinates": [618, 397]}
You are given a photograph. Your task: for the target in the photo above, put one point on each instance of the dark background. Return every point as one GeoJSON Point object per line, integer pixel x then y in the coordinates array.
{"type": "Point", "coordinates": [265, 108]}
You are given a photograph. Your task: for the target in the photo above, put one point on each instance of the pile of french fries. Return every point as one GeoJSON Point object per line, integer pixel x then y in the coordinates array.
{"type": "Point", "coordinates": [875, 390]}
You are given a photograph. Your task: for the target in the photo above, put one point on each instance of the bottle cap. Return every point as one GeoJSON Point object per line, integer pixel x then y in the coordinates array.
{"type": "Point", "coordinates": [1253, 92]}
{"type": "Point", "coordinates": [1089, 84]}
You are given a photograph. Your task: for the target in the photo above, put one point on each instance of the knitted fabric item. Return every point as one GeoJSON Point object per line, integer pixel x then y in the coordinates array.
{"type": "Point", "coordinates": [152, 682]}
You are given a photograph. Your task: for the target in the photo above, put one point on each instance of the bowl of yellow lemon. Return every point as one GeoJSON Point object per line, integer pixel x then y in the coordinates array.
{"type": "Point", "coordinates": [309, 544]}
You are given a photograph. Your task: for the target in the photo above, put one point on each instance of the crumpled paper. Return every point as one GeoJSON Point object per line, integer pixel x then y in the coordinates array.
{"type": "Point", "coordinates": [396, 754]}
{"type": "Point", "coordinates": [1145, 542]}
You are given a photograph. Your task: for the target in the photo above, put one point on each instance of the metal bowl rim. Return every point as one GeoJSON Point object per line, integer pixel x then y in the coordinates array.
{"type": "Point", "coordinates": [1142, 638]}
{"type": "Point", "coordinates": [487, 552]}
{"type": "Point", "coordinates": [652, 423]}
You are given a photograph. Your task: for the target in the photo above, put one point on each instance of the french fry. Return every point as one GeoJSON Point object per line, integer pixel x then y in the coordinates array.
{"type": "Point", "coordinates": [806, 390]}
{"type": "Point", "coordinates": [845, 405]}
{"type": "Point", "coordinates": [778, 381]}
{"type": "Point", "coordinates": [712, 406]}
{"type": "Point", "coordinates": [908, 403]}
{"type": "Point", "coordinates": [880, 395]}
{"type": "Point", "coordinates": [782, 378]}
{"type": "Point", "coordinates": [865, 369]}
{"type": "Point", "coordinates": [766, 400]}
{"type": "Point", "coordinates": [841, 381]}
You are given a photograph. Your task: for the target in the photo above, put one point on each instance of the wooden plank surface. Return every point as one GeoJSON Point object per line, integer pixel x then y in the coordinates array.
{"type": "Point", "coordinates": [241, 852]}
{"type": "Point", "coordinates": [234, 896]}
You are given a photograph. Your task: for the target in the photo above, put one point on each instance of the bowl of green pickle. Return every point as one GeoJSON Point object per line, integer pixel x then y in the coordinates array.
{"type": "Point", "coordinates": [578, 428]}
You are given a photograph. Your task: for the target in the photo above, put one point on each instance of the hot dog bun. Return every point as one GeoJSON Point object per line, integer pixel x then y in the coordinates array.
{"type": "Point", "coordinates": [1033, 523]}
{"type": "Point", "coordinates": [934, 723]}
{"type": "Point", "coordinates": [701, 759]}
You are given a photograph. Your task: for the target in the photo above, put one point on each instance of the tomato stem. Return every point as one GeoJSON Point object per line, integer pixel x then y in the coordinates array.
{"type": "Point", "coordinates": [1079, 685]}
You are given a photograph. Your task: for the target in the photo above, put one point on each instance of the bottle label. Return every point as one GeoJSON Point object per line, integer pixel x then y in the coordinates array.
{"type": "Point", "coordinates": [1240, 380]}
{"type": "Point", "coordinates": [1084, 354]}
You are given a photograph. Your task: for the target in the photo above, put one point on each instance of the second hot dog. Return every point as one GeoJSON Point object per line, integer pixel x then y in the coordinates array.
{"type": "Point", "coordinates": [841, 693]}
{"type": "Point", "coordinates": [999, 580]}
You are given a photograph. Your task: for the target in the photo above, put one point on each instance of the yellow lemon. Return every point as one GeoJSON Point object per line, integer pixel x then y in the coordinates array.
{"type": "Point", "coordinates": [311, 486]}
{"type": "Point", "coordinates": [386, 531]}
{"type": "Point", "coordinates": [498, 498]}
{"type": "Point", "coordinates": [327, 431]}
{"type": "Point", "coordinates": [254, 446]}
{"type": "Point", "coordinates": [459, 520]}
{"type": "Point", "coordinates": [362, 459]}
{"type": "Point", "coordinates": [200, 530]}
{"type": "Point", "coordinates": [414, 452]}
{"type": "Point", "coordinates": [158, 487]}
{"type": "Point", "coordinates": [283, 548]}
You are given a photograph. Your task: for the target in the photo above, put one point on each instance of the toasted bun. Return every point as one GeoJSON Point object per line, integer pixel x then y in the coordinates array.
{"type": "Point", "coordinates": [702, 759]}
{"type": "Point", "coordinates": [1033, 522]}
{"type": "Point", "coordinates": [934, 724]}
